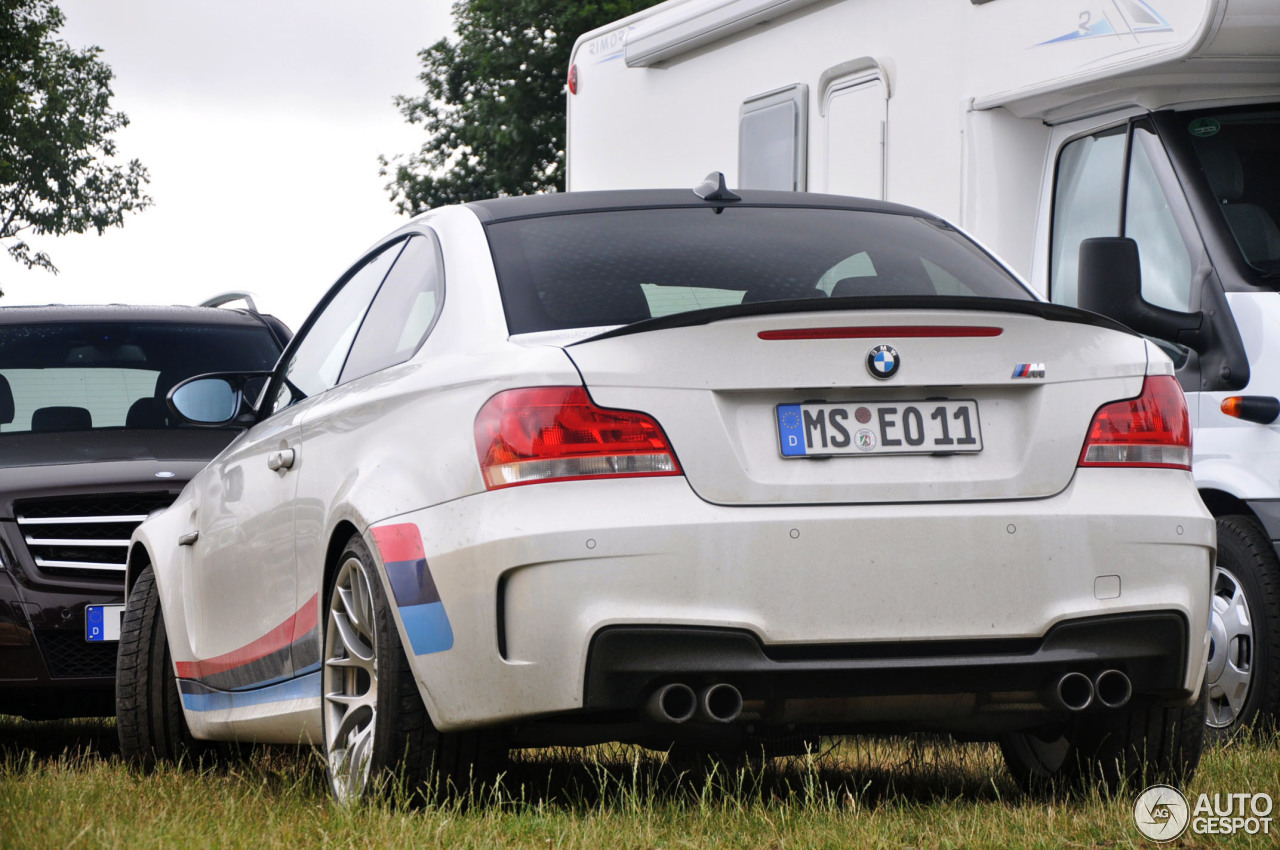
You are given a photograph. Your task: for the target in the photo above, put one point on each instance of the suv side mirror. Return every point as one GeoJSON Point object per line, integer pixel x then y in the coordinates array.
{"type": "Point", "coordinates": [1111, 284]}
{"type": "Point", "coordinates": [212, 400]}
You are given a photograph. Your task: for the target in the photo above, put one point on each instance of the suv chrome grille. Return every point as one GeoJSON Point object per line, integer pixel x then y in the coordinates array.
{"type": "Point", "coordinates": [84, 535]}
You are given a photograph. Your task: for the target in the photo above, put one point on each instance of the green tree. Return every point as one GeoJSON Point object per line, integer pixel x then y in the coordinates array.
{"type": "Point", "coordinates": [494, 108]}
{"type": "Point", "coordinates": [56, 123]}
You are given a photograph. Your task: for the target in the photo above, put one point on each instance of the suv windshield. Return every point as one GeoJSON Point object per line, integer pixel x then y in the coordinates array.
{"type": "Point", "coordinates": [1239, 152]}
{"type": "Point", "coordinates": [81, 376]}
{"type": "Point", "coordinates": [618, 267]}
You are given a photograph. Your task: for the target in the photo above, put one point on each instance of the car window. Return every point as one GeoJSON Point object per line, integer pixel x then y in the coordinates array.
{"type": "Point", "coordinates": [402, 313]}
{"type": "Point", "coordinates": [617, 267]}
{"type": "Point", "coordinates": [668, 300]}
{"type": "Point", "coordinates": [315, 362]}
{"type": "Point", "coordinates": [77, 376]}
{"type": "Point", "coordinates": [859, 265]}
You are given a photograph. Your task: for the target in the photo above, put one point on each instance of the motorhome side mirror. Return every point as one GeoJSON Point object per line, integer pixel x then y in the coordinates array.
{"type": "Point", "coordinates": [209, 400]}
{"type": "Point", "coordinates": [1111, 284]}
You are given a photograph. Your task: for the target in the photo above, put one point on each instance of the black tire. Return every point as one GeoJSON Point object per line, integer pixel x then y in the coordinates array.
{"type": "Point", "coordinates": [149, 718]}
{"type": "Point", "coordinates": [378, 737]}
{"type": "Point", "coordinates": [1133, 747]}
{"type": "Point", "coordinates": [1243, 679]}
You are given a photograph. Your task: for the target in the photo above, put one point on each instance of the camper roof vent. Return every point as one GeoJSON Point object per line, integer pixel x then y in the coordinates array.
{"type": "Point", "coordinates": [714, 189]}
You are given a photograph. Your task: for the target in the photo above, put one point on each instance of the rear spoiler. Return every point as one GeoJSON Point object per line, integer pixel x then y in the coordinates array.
{"type": "Point", "coordinates": [1043, 309]}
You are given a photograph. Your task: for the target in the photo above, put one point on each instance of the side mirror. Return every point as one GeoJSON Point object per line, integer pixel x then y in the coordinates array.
{"type": "Point", "coordinates": [1111, 284]}
{"type": "Point", "coordinates": [206, 401]}
{"type": "Point", "coordinates": [212, 400]}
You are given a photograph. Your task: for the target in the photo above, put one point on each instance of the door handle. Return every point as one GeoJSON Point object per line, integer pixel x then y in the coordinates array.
{"type": "Point", "coordinates": [282, 459]}
{"type": "Point", "coordinates": [189, 539]}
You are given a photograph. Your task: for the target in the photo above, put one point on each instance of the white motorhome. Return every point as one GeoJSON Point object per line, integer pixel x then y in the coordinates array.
{"type": "Point", "coordinates": [1034, 125]}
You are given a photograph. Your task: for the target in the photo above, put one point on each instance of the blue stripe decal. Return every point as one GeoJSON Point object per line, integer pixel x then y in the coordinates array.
{"type": "Point", "coordinates": [428, 627]}
{"type": "Point", "coordinates": [304, 687]}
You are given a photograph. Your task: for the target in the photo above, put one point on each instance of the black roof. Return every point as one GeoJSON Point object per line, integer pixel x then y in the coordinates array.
{"type": "Point", "coordinates": [561, 203]}
{"type": "Point", "coordinates": [58, 313]}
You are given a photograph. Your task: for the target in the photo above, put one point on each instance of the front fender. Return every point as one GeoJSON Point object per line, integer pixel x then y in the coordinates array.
{"type": "Point", "coordinates": [155, 544]}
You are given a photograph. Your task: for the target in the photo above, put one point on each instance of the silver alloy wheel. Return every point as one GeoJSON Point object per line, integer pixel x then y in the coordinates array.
{"type": "Point", "coordinates": [1230, 650]}
{"type": "Point", "coordinates": [350, 682]}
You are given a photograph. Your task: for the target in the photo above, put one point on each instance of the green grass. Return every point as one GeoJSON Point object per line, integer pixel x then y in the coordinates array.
{"type": "Point", "coordinates": [63, 785]}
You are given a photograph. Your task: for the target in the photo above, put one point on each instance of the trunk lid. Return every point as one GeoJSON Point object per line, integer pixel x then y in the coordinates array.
{"type": "Point", "coordinates": [1031, 382]}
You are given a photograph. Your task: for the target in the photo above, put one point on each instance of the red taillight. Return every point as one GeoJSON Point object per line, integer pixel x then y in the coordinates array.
{"type": "Point", "coordinates": [556, 433]}
{"type": "Point", "coordinates": [573, 79]}
{"type": "Point", "coordinates": [1150, 430]}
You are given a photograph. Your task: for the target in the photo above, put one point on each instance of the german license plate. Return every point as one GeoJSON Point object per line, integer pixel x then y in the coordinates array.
{"type": "Point", "coordinates": [102, 622]}
{"type": "Point", "coordinates": [879, 428]}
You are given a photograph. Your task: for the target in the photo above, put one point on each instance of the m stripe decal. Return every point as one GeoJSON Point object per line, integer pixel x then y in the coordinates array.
{"type": "Point", "coordinates": [399, 542]}
{"type": "Point", "coordinates": [274, 648]}
{"type": "Point", "coordinates": [421, 609]}
{"type": "Point", "coordinates": [197, 697]}
{"type": "Point", "coordinates": [411, 582]}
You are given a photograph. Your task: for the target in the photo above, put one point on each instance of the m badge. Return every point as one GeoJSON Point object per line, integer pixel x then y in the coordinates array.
{"type": "Point", "coordinates": [1028, 370]}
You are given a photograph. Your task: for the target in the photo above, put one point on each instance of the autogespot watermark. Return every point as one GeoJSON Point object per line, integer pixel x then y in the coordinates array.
{"type": "Point", "coordinates": [1163, 813]}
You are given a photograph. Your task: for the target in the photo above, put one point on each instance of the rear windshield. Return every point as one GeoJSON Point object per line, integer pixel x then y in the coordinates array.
{"type": "Point", "coordinates": [618, 267]}
{"type": "Point", "coordinates": [80, 376]}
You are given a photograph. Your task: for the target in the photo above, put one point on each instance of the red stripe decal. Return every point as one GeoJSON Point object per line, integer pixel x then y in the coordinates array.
{"type": "Point", "coordinates": [399, 542]}
{"type": "Point", "coordinates": [306, 619]}
{"type": "Point", "coordinates": [878, 331]}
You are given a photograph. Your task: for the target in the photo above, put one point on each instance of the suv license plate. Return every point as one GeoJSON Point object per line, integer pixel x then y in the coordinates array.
{"type": "Point", "coordinates": [879, 428]}
{"type": "Point", "coordinates": [102, 622]}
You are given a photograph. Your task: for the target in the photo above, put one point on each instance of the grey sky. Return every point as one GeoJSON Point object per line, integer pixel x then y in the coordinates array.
{"type": "Point", "coordinates": [260, 122]}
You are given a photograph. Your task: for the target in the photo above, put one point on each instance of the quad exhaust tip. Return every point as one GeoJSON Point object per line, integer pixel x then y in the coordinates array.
{"type": "Point", "coordinates": [720, 703]}
{"type": "Point", "coordinates": [673, 703]}
{"type": "Point", "coordinates": [1074, 692]}
{"type": "Point", "coordinates": [678, 703]}
{"type": "Point", "coordinates": [1112, 688]}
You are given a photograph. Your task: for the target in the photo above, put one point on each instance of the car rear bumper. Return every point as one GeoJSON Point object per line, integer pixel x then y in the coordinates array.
{"type": "Point", "coordinates": [970, 682]}
{"type": "Point", "coordinates": [531, 579]}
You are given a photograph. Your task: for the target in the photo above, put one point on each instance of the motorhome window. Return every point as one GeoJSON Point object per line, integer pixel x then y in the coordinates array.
{"type": "Point", "coordinates": [856, 126]}
{"type": "Point", "coordinates": [1086, 203]}
{"type": "Point", "coordinates": [773, 140]}
{"type": "Point", "coordinates": [611, 268]}
{"type": "Point", "coordinates": [1239, 153]}
{"type": "Point", "coordinates": [1149, 220]}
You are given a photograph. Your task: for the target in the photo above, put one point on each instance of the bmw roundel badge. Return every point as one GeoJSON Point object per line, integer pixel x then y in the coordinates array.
{"type": "Point", "coordinates": [882, 361]}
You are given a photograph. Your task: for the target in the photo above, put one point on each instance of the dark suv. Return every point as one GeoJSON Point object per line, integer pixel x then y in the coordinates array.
{"type": "Point", "coordinates": [88, 448]}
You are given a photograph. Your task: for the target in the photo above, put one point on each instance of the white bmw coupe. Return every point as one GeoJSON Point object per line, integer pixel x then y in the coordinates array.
{"type": "Point", "coordinates": [697, 469]}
